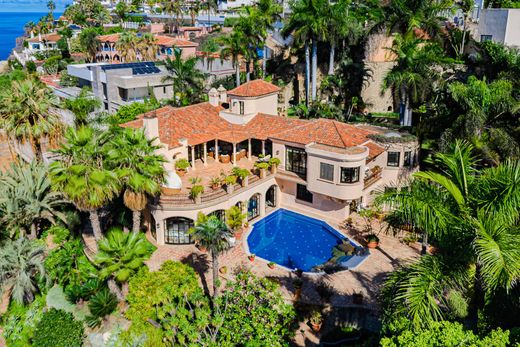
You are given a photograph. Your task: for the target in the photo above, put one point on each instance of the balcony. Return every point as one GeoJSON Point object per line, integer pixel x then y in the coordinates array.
{"type": "Point", "coordinates": [373, 177]}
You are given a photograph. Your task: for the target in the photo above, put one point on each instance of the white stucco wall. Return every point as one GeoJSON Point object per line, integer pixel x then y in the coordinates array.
{"type": "Point", "coordinates": [503, 24]}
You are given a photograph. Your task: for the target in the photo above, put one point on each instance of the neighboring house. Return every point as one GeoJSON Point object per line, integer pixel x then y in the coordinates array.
{"type": "Point", "coordinates": [328, 168]}
{"type": "Point", "coordinates": [500, 25]}
{"type": "Point", "coordinates": [226, 5]}
{"type": "Point", "coordinates": [121, 84]}
{"type": "Point", "coordinates": [107, 51]}
{"type": "Point", "coordinates": [42, 43]}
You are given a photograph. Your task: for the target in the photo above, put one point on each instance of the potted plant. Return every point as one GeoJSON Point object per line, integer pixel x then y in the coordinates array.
{"type": "Point", "coordinates": [243, 174]}
{"type": "Point", "coordinates": [235, 221]}
{"type": "Point", "coordinates": [270, 265]}
{"type": "Point", "coordinates": [274, 162]}
{"type": "Point", "coordinates": [230, 183]}
{"type": "Point", "coordinates": [372, 241]}
{"type": "Point", "coordinates": [215, 183]}
{"type": "Point", "coordinates": [251, 257]}
{"type": "Point", "coordinates": [223, 270]}
{"type": "Point", "coordinates": [297, 283]}
{"type": "Point", "coordinates": [181, 166]}
{"type": "Point", "coordinates": [262, 167]}
{"type": "Point", "coordinates": [316, 321]}
{"type": "Point", "coordinates": [196, 192]}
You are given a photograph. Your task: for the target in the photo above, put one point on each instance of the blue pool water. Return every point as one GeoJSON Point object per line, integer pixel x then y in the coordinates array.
{"type": "Point", "coordinates": [293, 240]}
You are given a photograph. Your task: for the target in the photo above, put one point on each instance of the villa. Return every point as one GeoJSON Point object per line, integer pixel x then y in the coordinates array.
{"type": "Point", "coordinates": [107, 51]}
{"type": "Point", "coordinates": [327, 168]}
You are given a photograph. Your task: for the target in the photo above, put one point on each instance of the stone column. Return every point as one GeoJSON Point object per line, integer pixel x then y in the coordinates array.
{"type": "Point", "coordinates": [205, 154]}
{"type": "Point", "coordinates": [234, 154]}
{"type": "Point", "coordinates": [261, 205]}
{"type": "Point", "coordinates": [193, 157]}
{"type": "Point", "coordinates": [249, 149]}
{"type": "Point", "coordinates": [216, 150]}
{"type": "Point", "coordinates": [160, 225]}
{"type": "Point", "coordinates": [263, 147]}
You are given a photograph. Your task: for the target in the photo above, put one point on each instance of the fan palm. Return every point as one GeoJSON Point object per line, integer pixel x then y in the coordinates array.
{"type": "Point", "coordinates": [28, 115]}
{"type": "Point", "coordinates": [126, 45]}
{"type": "Point", "coordinates": [26, 198]}
{"type": "Point", "coordinates": [21, 265]}
{"type": "Point", "coordinates": [186, 79]}
{"type": "Point", "coordinates": [89, 42]}
{"type": "Point", "coordinates": [141, 170]}
{"type": "Point", "coordinates": [82, 106]}
{"type": "Point", "coordinates": [308, 23]}
{"type": "Point", "coordinates": [234, 47]}
{"type": "Point", "coordinates": [120, 256]}
{"type": "Point", "coordinates": [212, 234]}
{"type": "Point", "coordinates": [474, 220]}
{"type": "Point", "coordinates": [81, 175]}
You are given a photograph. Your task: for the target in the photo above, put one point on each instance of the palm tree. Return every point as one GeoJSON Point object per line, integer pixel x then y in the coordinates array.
{"type": "Point", "coordinates": [133, 156]}
{"type": "Point", "coordinates": [173, 7]}
{"type": "Point", "coordinates": [26, 199]}
{"type": "Point", "coordinates": [212, 234]}
{"type": "Point", "coordinates": [28, 115]}
{"type": "Point", "coordinates": [147, 46]}
{"type": "Point", "coordinates": [194, 8]}
{"type": "Point", "coordinates": [81, 175]}
{"type": "Point", "coordinates": [308, 23]}
{"type": "Point", "coordinates": [21, 265]}
{"type": "Point", "coordinates": [89, 42]}
{"type": "Point", "coordinates": [466, 7]}
{"type": "Point", "coordinates": [121, 11]}
{"type": "Point", "coordinates": [82, 106]}
{"type": "Point", "coordinates": [120, 256]}
{"type": "Point", "coordinates": [414, 73]}
{"type": "Point", "coordinates": [270, 12]}
{"type": "Point", "coordinates": [51, 6]}
{"type": "Point", "coordinates": [234, 44]}
{"type": "Point", "coordinates": [186, 79]}
{"type": "Point", "coordinates": [473, 217]}
{"type": "Point", "coordinates": [209, 5]}
{"type": "Point", "coordinates": [251, 25]}
{"type": "Point", "coordinates": [126, 45]}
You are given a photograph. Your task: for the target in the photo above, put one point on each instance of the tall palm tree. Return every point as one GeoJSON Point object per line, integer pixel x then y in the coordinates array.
{"type": "Point", "coordinates": [212, 234]}
{"type": "Point", "coordinates": [89, 42]}
{"type": "Point", "coordinates": [308, 24]}
{"type": "Point", "coordinates": [21, 265]}
{"type": "Point", "coordinates": [147, 47]}
{"type": "Point", "coordinates": [234, 47]}
{"type": "Point", "coordinates": [126, 45]}
{"type": "Point", "coordinates": [473, 217]}
{"type": "Point", "coordinates": [28, 114]}
{"type": "Point", "coordinates": [82, 106]}
{"type": "Point", "coordinates": [120, 256]}
{"type": "Point", "coordinates": [252, 26]}
{"type": "Point", "coordinates": [270, 12]}
{"type": "Point", "coordinates": [81, 175]}
{"type": "Point", "coordinates": [194, 8]}
{"type": "Point", "coordinates": [186, 79]}
{"type": "Point", "coordinates": [209, 5]}
{"type": "Point", "coordinates": [51, 6]}
{"type": "Point", "coordinates": [26, 199]}
{"type": "Point", "coordinates": [133, 156]}
{"type": "Point", "coordinates": [173, 8]}
{"type": "Point", "coordinates": [466, 6]}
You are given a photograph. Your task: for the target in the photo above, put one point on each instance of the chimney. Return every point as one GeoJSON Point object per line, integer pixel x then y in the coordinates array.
{"type": "Point", "coordinates": [222, 94]}
{"type": "Point", "coordinates": [213, 97]}
{"type": "Point", "coordinates": [151, 125]}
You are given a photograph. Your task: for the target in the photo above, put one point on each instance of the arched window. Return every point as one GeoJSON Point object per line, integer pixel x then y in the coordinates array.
{"type": "Point", "coordinates": [220, 214]}
{"type": "Point", "coordinates": [177, 230]}
{"type": "Point", "coordinates": [253, 207]}
{"type": "Point", "coordinates": [270, 197]}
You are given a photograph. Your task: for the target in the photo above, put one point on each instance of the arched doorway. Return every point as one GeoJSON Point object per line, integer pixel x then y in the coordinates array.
{"type": "Point", "coordinates": [220, 214]}
{"type": "Point", "coordinates": [253, 207]}
{"type": "Point", "coordinates": [177, 230]}
{"type": "Point", "coordinates": [271, 200]}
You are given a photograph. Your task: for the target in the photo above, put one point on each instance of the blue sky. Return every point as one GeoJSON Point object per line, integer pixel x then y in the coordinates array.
{"type": "Point", "coordinates": [30, 5]}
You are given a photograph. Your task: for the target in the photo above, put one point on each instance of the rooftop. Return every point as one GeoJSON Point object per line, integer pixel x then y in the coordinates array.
{"type": "Point", "coordinates": [162, 40]}
{"type": "Point", "coordinates": [254, 88]}
{"type": "Point", "coordinates": [53, 37]}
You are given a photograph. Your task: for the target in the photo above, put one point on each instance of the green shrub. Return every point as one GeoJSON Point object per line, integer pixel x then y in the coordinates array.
{"type": "Point", "coordinates": [85, 291]}
{"type": "Point", "coordinates": [196, 190]}
{"type": "Point", "coordinates": [130, 112]}
{"type": "Point", "coordinates": [58, 328]}
{"type": "Point", "coordinates": [30, 66]}
{"type": "Point", "coordinates": [60, 233]}
{"type": "Point", "coordinates": [20, 322]}
{"type": "Point", "coordinates": [182, 164]}
{"type": "Point", "coordinates": [274, 161]}
{"type": "Point", "coordinates": [102, 303]}
{"type": "Point", "coordinates": [262, 165]}
{"type": "Point", "coordinates": [240, 172]}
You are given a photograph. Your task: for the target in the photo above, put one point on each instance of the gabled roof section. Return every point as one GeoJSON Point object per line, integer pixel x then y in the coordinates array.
{"type": "Point", "coordinates": [162, 40]}
{"type": "Point", "coordinates": [53, 37]}
{"type": "Point", "coordinates": [254, 88]}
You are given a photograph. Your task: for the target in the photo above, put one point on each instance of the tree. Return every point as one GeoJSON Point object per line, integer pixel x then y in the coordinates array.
{"type": "Point", "coordinates": [414, 73]}
{"type": "Point", "coordinates": [82, 106]}
{"type": "Point", "coordinates": [173, 8]}
{"type": "Point", "coordinates": [473, 218]}
{"type": "Point", "coordinates": [58, 328]}
{"type": "Point", "coordinates": [186, 79]}
{"type": "Point", "coordinates": [120, 256]}
{"type": "Point", "coordinates": [126, 45]}
{"type": "Point", "coordinates": [26, 199]}
{"type": "Point", "coordinates": [235, 218]}
{"type": "Point", "coordinates": [308, 23]}
{"type": "Point", "coordinates": [89, 42]}
{"type": "Point", "coordinates": [81, 173]}
{"type": "Point", "coordinates": [21, 268]}
{"type": "Point", "coordinates": [194, 8]}
{"type": "Point", "coordinates": [51, 6]}
{"type": "Point", "coordinates": [233, 48]}
{"type": "Point", "coordinates": [133, 157]}
{"type": "Point", "coordinates": [269, 13]}
{"type": "Point", "coordinates": [28, 114]}
{"type": "Point", "coordinates": [213, 235]}
{"type": "Point", "coordinates": [466, 6]}
{"type": "Point", "coordinates": [251, 24]}
{"type": "Point", "coordinates": [122, 10]}
{"type": "Point", "coordinates": [252, 309]}
{"type": "Point", "coordinates": [209, 5]}
{"type": "Point", "coordinates": [147, 47]}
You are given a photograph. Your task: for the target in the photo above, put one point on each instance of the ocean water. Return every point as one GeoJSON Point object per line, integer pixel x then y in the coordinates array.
{"type": "Point", "coordinates": [11, 27]}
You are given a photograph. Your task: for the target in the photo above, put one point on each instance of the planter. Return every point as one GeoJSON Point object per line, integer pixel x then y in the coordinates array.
{"type": "Point", "coordinates": [223, 270]}
{"type": "Point", "coordinates": [225, 159]}
{"type": "Point", "coordinates": [202, 249]}
{"type": "Point", "coordinates": [251, 257]}
{"type": "Point", "coordinates": [181, 172]}
{"type": "Point", "coordinates": [230, 188]}
{"type": "Point", "coordinates": [372, 244]}
{"type": "Point", "coordinates": [215, 186]}
{"type": "Point", "coordinates": [238, 234]}
{"type": "Point", "coordinates": [198, 199]}
{"type": "Point", "coordinates": [270, 265]}
{"type": "Point", "coordinates": [245, 181]}
{"type": "Point", "coordinates": [263, 173]}
{"type": "Point", "coordinates": [316, 327]}
{"type": "Point", "coordinates": [170, 191]}
{"type": "Point", "coordinates": [274, 169]}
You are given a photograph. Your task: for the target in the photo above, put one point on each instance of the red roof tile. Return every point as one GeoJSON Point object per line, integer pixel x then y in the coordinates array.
{"type": "Point", "coordinates": [161, 40]}
{"type": "Point", "coordinates": [53, 37]}
{"type": "Point", "coordinates": [254, 88]}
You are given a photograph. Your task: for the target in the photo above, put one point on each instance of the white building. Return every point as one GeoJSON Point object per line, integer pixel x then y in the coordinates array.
{"type": "Point", "coordinates": [500, 25]}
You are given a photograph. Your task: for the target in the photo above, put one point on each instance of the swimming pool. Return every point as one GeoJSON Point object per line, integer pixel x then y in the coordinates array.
{"type": "Point", "coordinates": [295, 241]}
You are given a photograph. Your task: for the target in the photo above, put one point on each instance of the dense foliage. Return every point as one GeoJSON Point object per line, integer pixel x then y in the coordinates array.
{"type": "Point", "coordinates": [58, 328]}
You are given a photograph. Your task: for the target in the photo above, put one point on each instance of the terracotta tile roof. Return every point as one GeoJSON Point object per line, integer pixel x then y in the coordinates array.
{"type": "Point", "coordinates": [51, 80]}
{"type": "Point", "coordinates": [201, 123]}
{"type": "Point", "coordinates": [254, 88]}
{"type": "Point", "coordinates": [53, 37]}
{"type": "Point", "coordinates": [161, 40]}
